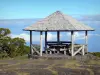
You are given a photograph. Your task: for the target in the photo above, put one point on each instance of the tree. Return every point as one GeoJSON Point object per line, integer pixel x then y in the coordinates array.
{"type": "Point", "coordinates": [4, 32]}
{"type": "Point", "coordinates": [16, 47]}
{"type": "Point", "coordinates": [4, 41]}
{"type": "Point", "coordinates": [11, 46]}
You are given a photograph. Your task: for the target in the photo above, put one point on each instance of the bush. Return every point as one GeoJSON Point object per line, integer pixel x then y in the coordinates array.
{"type": "Point", "coordinates": [96, 54]}
{"type": "Point", "coordinates": [3, 55]}
{"type": "Point", "coordinates": [11, 47]}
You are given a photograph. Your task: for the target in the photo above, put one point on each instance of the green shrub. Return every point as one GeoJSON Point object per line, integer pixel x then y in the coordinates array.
{"type": "Point", "coordinates": [11, 47]}
{"type": "Point", "coordinates": [96, 54]}
{"type": "Point", "coordinates": [3, 55]}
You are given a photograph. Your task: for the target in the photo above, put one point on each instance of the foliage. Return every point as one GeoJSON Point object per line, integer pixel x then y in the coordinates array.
{"type": "Point", "coordinates": [16, 47]}
{"type": "Point", "coordinates": [4, 32]}
{"type": "Point", "coordinates": [3, 54]}
{"type": "Point", "coordinates": [96, 54]}
{"type": "Point", "coordinates": [11, 47]}
{"type": "Point", "coordinates": [26, 49]}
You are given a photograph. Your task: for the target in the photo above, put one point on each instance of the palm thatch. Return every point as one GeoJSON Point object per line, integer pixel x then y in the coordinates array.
{"type": "Point", "coordinates": [58, 22]}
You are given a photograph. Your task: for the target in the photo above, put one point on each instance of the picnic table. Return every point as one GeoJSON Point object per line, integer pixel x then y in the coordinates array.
{"type": "Point", "coordinates": [58, 45]}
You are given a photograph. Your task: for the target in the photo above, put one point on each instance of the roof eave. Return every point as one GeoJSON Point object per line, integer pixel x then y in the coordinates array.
{"type": "Point", "coordinates": [56, 30]}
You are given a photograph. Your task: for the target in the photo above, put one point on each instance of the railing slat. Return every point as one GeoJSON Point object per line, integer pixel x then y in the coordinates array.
{"type": "Point", "coordinates": [78, 50]}
{"type": "Point", "coordinates": [34, 49]}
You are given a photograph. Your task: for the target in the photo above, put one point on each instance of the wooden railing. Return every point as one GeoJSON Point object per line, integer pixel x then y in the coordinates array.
{"type": "Point", "coordinates": [79, 49]}
{"type": "Point", "coordinates": [35, 50]}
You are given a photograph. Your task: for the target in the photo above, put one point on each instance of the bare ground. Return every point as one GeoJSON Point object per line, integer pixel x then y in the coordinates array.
{"type": "Point", "coordinates": [49, 67]}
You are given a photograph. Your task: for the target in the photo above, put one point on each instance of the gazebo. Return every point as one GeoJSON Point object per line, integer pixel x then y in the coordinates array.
{"type": "Point", "coordinates": [59, 22]}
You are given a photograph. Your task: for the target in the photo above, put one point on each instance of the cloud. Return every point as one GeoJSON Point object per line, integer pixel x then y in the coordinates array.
{"type": "Point", "coordinates": [77, 35]}
{"type": "Point", "coordinates": [22, 35]}
{"type": "Point", "coordinates": [94, 34]}
{"type": "Point", "coordinates": [91, 20]}
{"type": "Point", "coordinates": [51, 36]}
{"type": "Point", "coordinates": [18, 21]}
{"type": "Point", "coordinates": [35, 38]}
{"type": "Point", "coordinates": [90, 17]}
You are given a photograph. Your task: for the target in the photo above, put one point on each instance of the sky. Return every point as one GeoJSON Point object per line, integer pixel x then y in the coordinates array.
{"type": "Point", "coordinates": [18, 14]}
{"type": "Point", "coordinates": [16, 9]}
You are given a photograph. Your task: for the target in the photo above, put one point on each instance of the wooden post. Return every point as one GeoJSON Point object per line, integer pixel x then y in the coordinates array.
{"type": "Point", "coordinates": [58, 36]}
{"type": "Point", "coordinates": [72, 44]}
{"type": "Point", "coordinates": [46, 41]}
{"type": "Point", "coordinates": [50, 52]}
{"type": "Point", "coordinates": [41, 43]}
{"type": "Point", "coordinates": [83, 50]}
{"type": "Point", "coordinates": [86, 41]}
{"type": "Point", "coordinates": [31, 42]}
{"type": "Point", "coordinates": [65, 52]}
{"type": "Point", "coordinates": [58, 51]}
{"type": "Point", "coordinates": [58, 39]}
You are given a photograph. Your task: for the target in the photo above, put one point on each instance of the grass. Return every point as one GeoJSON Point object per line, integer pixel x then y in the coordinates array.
{"type": "Point", "coordinates": [21, 57]}
{"type": "Point", "coordinates": [90, 70]}
{"type": "Point", "coordinates": [94, 62]}
{"type": "Point", "coordinates": [22, 73]}
{"type": "Point", "coordinates": [51, 64]}
{"type": "Point", "coordinates": [71, 64]}
{"type": "Point", "coordinates": [50, 68]}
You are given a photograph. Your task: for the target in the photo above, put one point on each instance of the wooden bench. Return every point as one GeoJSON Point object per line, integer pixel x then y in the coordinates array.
{"type": "Point", "coordinates": [60, 42]}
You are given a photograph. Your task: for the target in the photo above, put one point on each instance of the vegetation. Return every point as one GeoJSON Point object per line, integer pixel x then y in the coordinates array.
{"type": "Point", "coordinates": [11, 47]}
{"type": "Point", "coordinates": [96, 54]}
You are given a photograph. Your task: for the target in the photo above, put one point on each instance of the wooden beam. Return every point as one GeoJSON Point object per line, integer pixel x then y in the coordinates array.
{"type": "Point", "coordinates": [41, 43]}
{"type": "Point", "coordinates": [35, 50]}
{"type": "Point", "coordinates": [31, 42]}
{"type": "Point", "coordinates": [58, 36]}
{"type": "Point", "coordinates": [72, 44]}
{"type": "Point", "coordinates": [81, 48]}
{"type": "Point", "coordinates": [86, 40]}
{"type": "Point", "coordinates": [46, 41]}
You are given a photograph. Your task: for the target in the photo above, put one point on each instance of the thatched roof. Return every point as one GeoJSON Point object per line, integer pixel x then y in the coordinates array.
{"type": "Point", "coordinates": [58, 22]}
